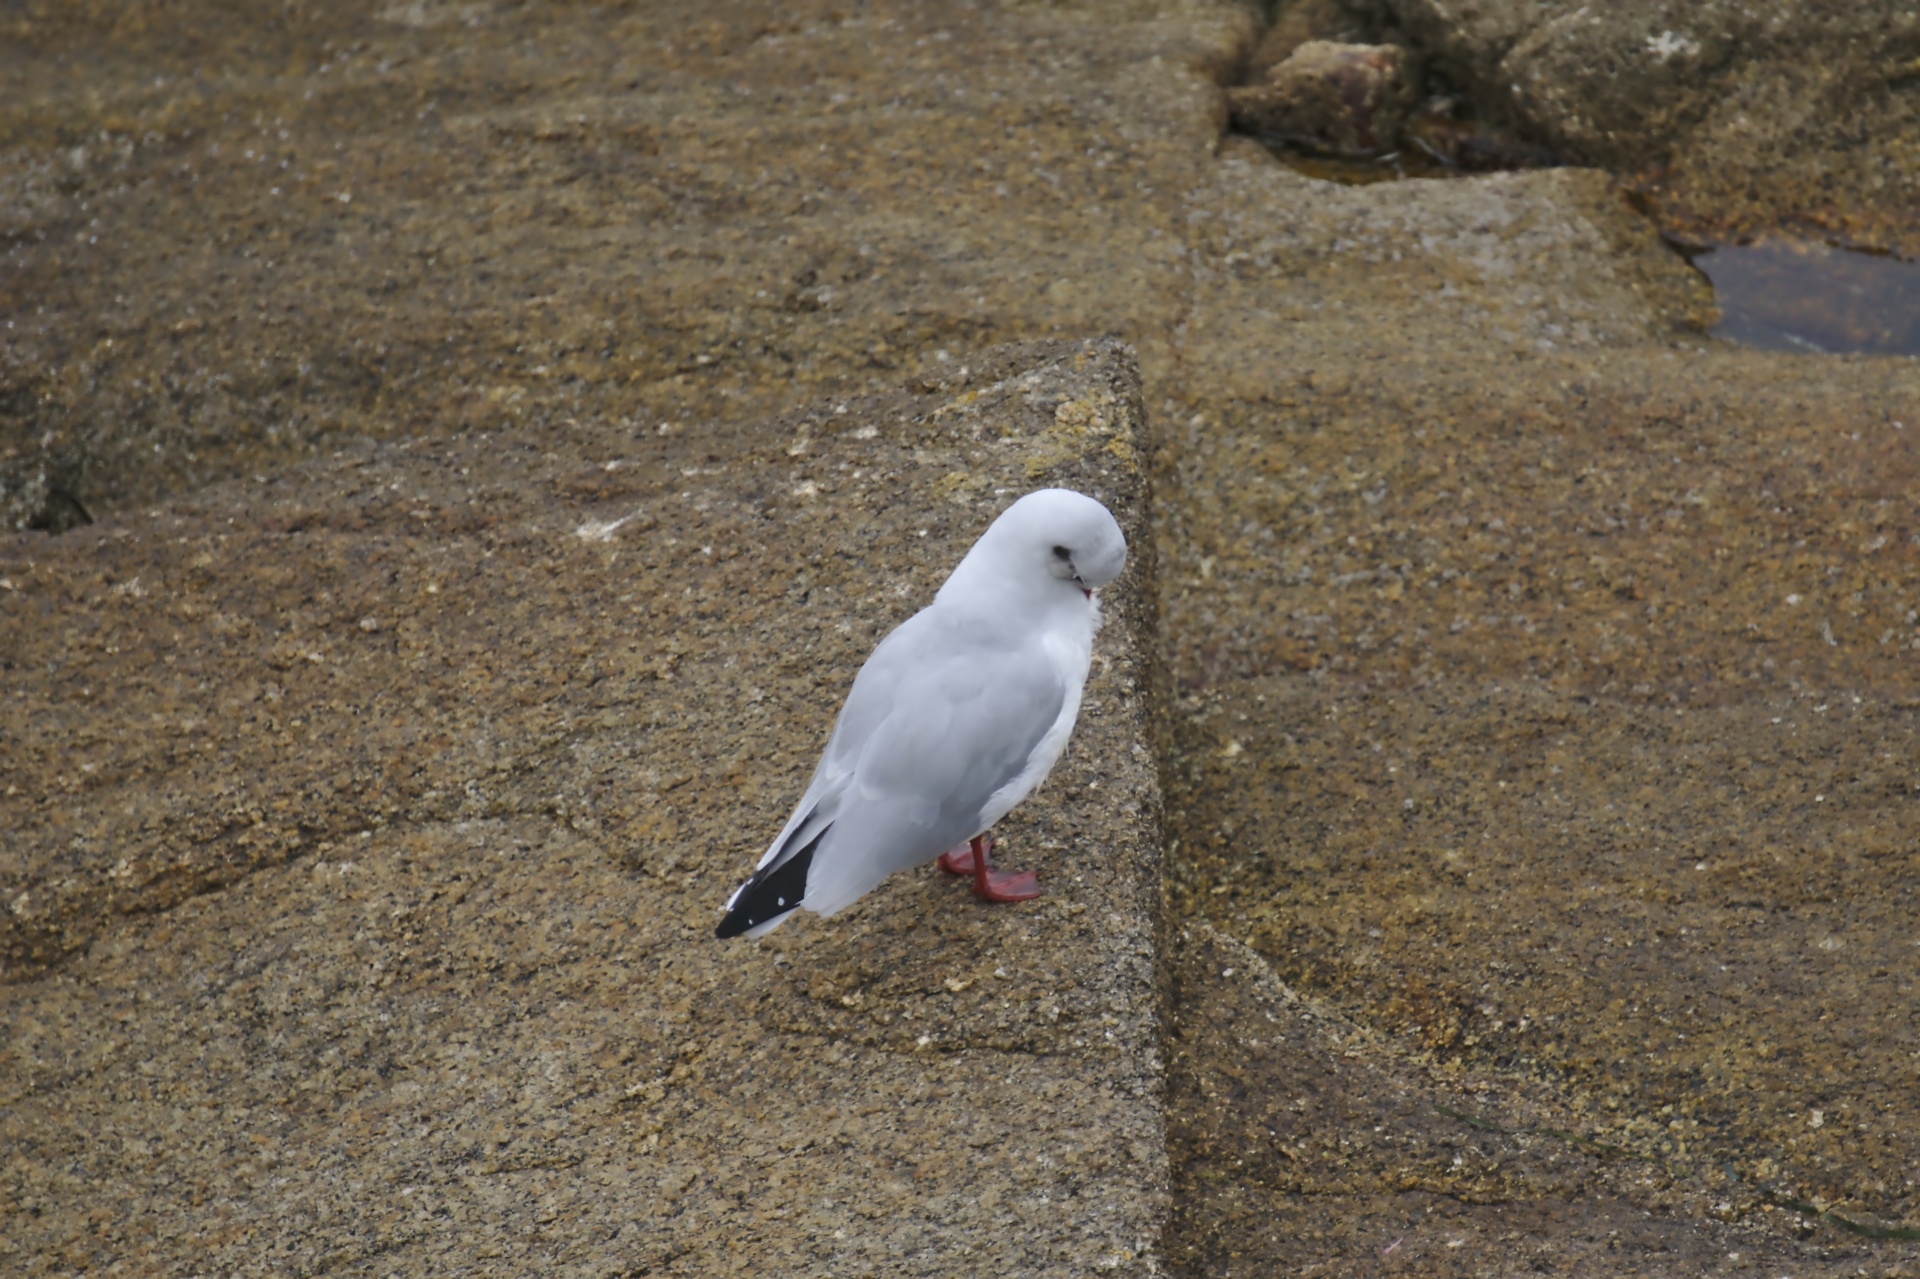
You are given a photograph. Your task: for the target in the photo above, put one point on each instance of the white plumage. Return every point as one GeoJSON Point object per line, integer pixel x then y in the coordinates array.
{"type": "Point", "coordinates": [954, 719]}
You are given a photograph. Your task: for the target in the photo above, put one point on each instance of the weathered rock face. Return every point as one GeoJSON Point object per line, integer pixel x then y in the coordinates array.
{"type": "Point", "coordinates": [1295, 24]}
{"type": "Point", "coordinates": [375, 824]}
{"type": "Point", "coordinates": [1739, 116]}
{"type": "Point", "coordinates": [1572, 677]}
{"type": "Point", "coordinates": [1349, 1155]}
{"type": "Point", "coordinates": [1347, 99]}
{"type": "Point", "coordinates": [1451, 494]}
{"type": "Point", "coordinates": [236, 243]}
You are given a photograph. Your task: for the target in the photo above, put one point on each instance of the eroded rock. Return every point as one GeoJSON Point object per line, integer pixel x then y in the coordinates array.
{"type": "Point", "coordinates": [591, 259]}
{"type": "Point", "coordinates": [1737, 117]}
{"type": "Point", "coordinates": [366, 833]}
{"type": "Point", "coordinates": [1346, 99]}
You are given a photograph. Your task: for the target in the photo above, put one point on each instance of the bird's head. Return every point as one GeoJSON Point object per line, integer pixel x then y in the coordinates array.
{"type": "Point", "coordinates": [1057, 534]}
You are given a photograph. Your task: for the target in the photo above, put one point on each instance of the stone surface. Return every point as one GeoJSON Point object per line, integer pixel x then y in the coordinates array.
{"type": "Point", "coordinates": [1548, 713]}
{"type": "Point", "coordinates": [231, 244]}
{"type": "Point", "coordinates": [1294, 24]}
{"type": "Point", "coordinates": [1737, 117]}
{"type": "Point", "coordinates": [1347, 99]}
{"type": "Point", "coordinates": [1347, 1157]}
{"type": "Point", "coordinates": [648, 235]}
{"type": "Point", "coordinates": [471, 785]}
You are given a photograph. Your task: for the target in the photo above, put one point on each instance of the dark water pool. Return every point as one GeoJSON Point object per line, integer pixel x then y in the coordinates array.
{"type": "Point", "coordinates": [1797, 295]}
{"type": "Point", "coordinates": [1778, 294]}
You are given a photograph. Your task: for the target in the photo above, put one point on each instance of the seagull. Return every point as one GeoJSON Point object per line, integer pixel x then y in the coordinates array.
{"type": "Point", "coordinates": [954, 719]}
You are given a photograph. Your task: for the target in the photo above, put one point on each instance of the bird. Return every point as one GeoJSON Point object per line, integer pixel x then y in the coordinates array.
{"type": "Point", "coordinates": [955, 717]}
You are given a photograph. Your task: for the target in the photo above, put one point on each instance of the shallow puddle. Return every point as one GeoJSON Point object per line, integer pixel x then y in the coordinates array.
{"type": "Point", "coordinates": [1350, 171]}
{"type": "Point", "coordinates": [1794, 295]}
{"type": "Point", "coordinates": [1777, 294]}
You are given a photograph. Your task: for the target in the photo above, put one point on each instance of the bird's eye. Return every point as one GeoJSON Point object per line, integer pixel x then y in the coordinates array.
{"type": "Point", "coordinates": [1062, 553]}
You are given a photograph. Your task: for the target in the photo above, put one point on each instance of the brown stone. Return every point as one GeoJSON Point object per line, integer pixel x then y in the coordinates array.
{"type": "Point", "coordinates": [379, 930]}
{"type": "Point", "coordinates": [1735, 118]}
{"type": "Point", "coordinates": [1347, 99]}
{"type": "Point", "coordinates": [1499, 599]}
{"type": "Point", "coordinates": [1295, 24]}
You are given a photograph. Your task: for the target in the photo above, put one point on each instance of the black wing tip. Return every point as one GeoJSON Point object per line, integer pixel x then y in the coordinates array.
{"type": "Point", "coordinates": [768, 896]}
{"type": "Point", "coordinates": [732, 926]}
{"type": "Point", "coordinates": [748, 915]}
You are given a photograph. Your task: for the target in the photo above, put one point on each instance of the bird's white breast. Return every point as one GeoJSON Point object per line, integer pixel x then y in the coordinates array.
{"type": "Point", "coordinates": [1070, 650]}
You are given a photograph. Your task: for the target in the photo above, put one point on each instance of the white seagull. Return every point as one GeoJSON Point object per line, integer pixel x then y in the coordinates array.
{"type": "Point", "coordinates": [954, 719]}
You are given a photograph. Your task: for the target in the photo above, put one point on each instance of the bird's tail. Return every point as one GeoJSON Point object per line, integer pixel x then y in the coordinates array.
{"type": "Point", "coordinates": [771, 895]}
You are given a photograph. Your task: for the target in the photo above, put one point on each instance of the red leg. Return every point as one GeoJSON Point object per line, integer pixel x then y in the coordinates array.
{"type": "Point", "coordinates": [991, 884]}
{"type": "Point", "coordinates": [957, 860]}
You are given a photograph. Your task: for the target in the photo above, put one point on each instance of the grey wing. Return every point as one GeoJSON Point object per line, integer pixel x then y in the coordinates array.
{"type": "Point", "coordinates": [866, 708]}
{"type": "Point", "coordinates": [958, 724]}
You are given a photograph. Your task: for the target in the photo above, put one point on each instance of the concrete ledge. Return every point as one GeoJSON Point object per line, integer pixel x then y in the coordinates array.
{"type": "Point", "coordinates": [365, 924]}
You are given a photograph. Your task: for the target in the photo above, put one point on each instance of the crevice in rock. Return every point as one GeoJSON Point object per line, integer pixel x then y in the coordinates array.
{"type": "Point", "coordinates": [38, 501]}
{"type": "Point", "coordinates": [61, 511]}
{"type": "Point", "coordinates": [1344, 94]}
{"type": "Point", "coordinates": [1344, 91]}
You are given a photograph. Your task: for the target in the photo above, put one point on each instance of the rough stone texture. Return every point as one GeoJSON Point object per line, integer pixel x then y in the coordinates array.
{"type": "Point", "coordinates": [1548, 709]}
{"type": "Point", "coordinates": [475, 779]}
{"type": "Point", "coordinates": [580, 235]}
{"type": "Point", "coordinates": [1738, 116]}
{"type": "Point", "coordinates": [1347, 1157]}
{"type": "Point", "coordinates": [1348, 99]}
{"type": "Point", "coordinates": [1294, 24]}
{"type": "Point", "coordinates": [233, 240]}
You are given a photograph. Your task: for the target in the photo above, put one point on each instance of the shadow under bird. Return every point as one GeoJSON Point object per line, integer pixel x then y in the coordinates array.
{"type": "Point", "coordinates": [955, 718]}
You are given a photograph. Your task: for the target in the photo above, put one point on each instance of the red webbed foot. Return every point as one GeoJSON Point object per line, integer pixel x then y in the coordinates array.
{"type": "Point", "coordinates": [957, 860]}
{"type": "Point", "coordinates": [990, 883]}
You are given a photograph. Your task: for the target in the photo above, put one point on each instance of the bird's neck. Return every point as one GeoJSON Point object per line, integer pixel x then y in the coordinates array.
{"type": "Point", "coordinates": [1025, 600]}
